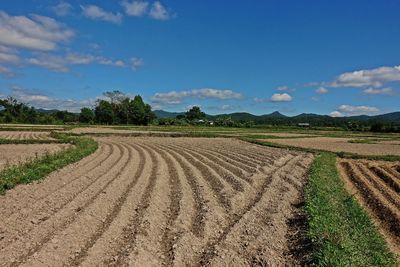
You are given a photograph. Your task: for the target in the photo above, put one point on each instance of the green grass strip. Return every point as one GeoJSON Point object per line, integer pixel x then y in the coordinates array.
{"type": "Point", "coordinates": [30, 141]}
{"type": "Point", "coordinates": [341, 231]}
{"type": "Point", "coordinates": [42, 166]}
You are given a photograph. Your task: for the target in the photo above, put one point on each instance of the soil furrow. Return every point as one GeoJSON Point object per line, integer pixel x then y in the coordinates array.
{"type": "Point", "coordinates": [128, 244]}
{"type": "Point", "coordinates": [390, 220]}
{"type": "Point", "coordinates": [234, 167]}
{"type": "Point", "coordinates": [199, 207]}
{"type": "Point", "coordinates": [224, 173]}
{"type": "Point", "coordinates": [385, 176]}
{"type": "Point", "coordinates": [115, 210]}
{"type": "Point", "coordinates": [209, 249]}
{"type": "Point", "coordinates": [65, 214]}
{"type": "Point", "coordinates": [215, 184]}
{"type": "Point", "coordinates": [42, 209]}
{"type": "Point", "coordinates": [378, 184]}
{"type": "Point", "coordinates": [85, 219]}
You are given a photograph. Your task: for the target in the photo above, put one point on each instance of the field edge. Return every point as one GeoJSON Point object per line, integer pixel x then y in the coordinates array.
{"type": "Point", "coordinates": [340, 229]}
{"type": "Point", "coordinates": [39, 168]}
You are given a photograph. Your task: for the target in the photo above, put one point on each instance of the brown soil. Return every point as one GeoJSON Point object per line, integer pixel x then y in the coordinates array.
{"type": "Point", "coordinates": [159, 201]}
{"type": "Point", "coordinates": [15, 154]}
{"type": "Point", "coordinates": [377, 187]}
{"type": "Point", "coordinates": [24, 135]}
{"type": "Point", "coordinates": [340, 145]}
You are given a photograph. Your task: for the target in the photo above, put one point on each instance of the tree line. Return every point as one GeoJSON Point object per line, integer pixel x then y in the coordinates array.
{"type": "Point", "coordinates": [116, 108]}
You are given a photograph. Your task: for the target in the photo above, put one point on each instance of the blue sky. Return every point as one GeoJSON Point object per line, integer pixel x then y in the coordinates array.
{"type": "Point", "coordinates": [327, 57]}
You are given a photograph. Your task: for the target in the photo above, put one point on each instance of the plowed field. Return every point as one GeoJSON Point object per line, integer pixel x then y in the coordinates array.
{"type": "Point", "coordinates": [158, 201]}
{"type": "Point", "coordinates": [24, 135]}
{"type": "Point", "coordinates": [377, 187]}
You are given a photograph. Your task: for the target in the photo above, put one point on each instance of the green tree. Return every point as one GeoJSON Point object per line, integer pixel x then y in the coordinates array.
{"type": "Point", "coordinates": [87, 115]}
{"type": "Point", "coordinates": [104, 112]}
{"type": "Point", "coordinates": [195, 113]}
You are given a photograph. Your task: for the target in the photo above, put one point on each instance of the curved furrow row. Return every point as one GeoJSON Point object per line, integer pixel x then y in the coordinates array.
{"type": "Point", "coordinates": [387, 178]}
{"type": "Point", "coordinates": [389, 216]}
{"type": "Point", "coordinates": [24, 197]}
{"type": "Point", "coordinates": [392, 172]}
{"type": "Point", "coordinates": [41, 209]}
{"type": "Point", "coordinates": [224, 173]}
{"type": "Point", "coordinates": [130, 232]}
{"type": "Point", "coordinates": [239, 170]}
{"type": "Point", "coordinates": [377, 183]}
{"type": "Point", "coordinates": [397, 168]}
{"type": "Point", "coordinates": [45, 228]}
{"type": "Point", "coordinates": [210, 248]}
{"type": "Point", "coordinates": [170, 236]}
{"type": "Point", "coordinates": [197, 221]}
{"type": "Point", "coordinates": [115, 210]}
{"type": "Point", "coordinates": [113, 237]}
{"type": "Point", "coordinates": [83, 215]}
{"type": "Point", "coordinates": [215, 183]}
{"type": "Point", "coordinates": [243, 160]}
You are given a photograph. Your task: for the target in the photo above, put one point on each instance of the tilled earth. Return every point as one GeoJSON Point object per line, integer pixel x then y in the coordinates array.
{"type": "Point", "coordinates": [159, 201]}
{"type": "Point", "coordinates": [376, 185]}
{"type": "Point", "coordinates": [24, 135]}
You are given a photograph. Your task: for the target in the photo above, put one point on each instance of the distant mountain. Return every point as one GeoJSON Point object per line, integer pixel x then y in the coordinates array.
{"type": "Point", "coordinates": [277, 117]}
{"type": "Point", "coordinates": [41, 110]}
{"type": "Point", "coordinates": [167, 114]}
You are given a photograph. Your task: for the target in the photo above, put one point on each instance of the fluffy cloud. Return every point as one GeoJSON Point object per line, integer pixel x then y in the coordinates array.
{"type": "Point", "coordinates": [135, 8]}
{"type": "Point", "coordinates": [159, 12]}
{"type": "Point", "coordinates": [9, 58]}
{"type": "Point", "coordinates": [40, 100]}
{"type": "Point", "coordinates": [364, 78]}
{"type": "Point", "coordinates": [175, 97]}
{"type": "Point", "coordinates": [62, 8]}
{"type": "Point", "coordinates": [322, 90]}
{"type": "Point", "coordinates": [6, 72]}
{"type": "Point", "coordinates": [382, 91]}
{"type": "Point", "coordinates": [335, 114]}
{"type": "Point", "coordinates": [283, 88]}
{"type": "Point", "coordinates": [349, 110]}
{"type": "Point", "coordinates": [62, 63]}
{"type": "Point", "coordinates": [225, 107]}
{"type": "Point", "coordinates": [34, 32]}
{"type": "Point", "coordinates": [97, 13]}
{"type": "Point", "coordinates": [281, 97]}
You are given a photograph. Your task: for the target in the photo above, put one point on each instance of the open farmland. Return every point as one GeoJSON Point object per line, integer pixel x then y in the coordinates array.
{"type": "Point", "coordinates": [159, 201]}
{"type": "Point", "coordinates": [340, 145]}
{"type": "Point", "coordinates": [15, 154]}
{"type": "Point", "coordinates": [377, 187]}
{"type": "Point", "coordinates": [20, 135]}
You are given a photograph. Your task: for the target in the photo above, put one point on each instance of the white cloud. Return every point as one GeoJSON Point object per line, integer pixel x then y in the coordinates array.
{"type": "Point", "coordinates": [51, 62]}
{"type": "Point", "coordinates": [281, 97]}
{"type": "Point", "coordinates": [9, 58]}
{"type": "Point", "coordinates": [6, 72]}
{"type": "Point", "coordinates": [283, 88]}
{"type": "Point", "coordinates": [135, 8]}
{"type": "Point", "coordinates": [97, 13]}
{"type": "Point", "coordinates": [225, 107]}
{"type": "Point", "coordinates": [40, 100]}
{"type": "Point", "coordinates": [335, 114]}
{"type": "Point", "coordinates": [79, 59]}
{"type": "Point", "coordinates": [362, 78]}
{"type": "Point", "coordinates": [62, 8]}
{"type": "Point", "coordinates": [34, 33]}
{"type": "Point", "coordinates": [322, 90]}
{"type": "Point", "coordinates": [350, 110]}
{"type": "Point", "coordinates": [62, 63]}
{"type": "Point", "coordinates": [382, 91]}
{"type": "Point", "coordinates": [159, 12]}
{"type": "Point", "coordinates": [175, 97]}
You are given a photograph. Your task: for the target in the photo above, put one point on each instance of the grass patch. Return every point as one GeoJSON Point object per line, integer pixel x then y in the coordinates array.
{"type": "Point", "coordinates": [40, 167]}
{"type": "Point", "coordinates": [29, 141]}
{"type": "Point", "coordinates": [341, 231]}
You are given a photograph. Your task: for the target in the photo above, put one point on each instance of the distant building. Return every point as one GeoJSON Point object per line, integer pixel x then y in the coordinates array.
{"type": "Point", "coordinates": [303, 124]}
